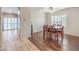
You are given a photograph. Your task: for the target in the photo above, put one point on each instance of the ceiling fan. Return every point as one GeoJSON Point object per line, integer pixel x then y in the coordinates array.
{"type": "Point", "coordinates": [51, 9]}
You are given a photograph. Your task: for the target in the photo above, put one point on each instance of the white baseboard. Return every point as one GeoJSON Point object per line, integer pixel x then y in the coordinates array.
{"type": "Point", "coordinates": [72, 34]}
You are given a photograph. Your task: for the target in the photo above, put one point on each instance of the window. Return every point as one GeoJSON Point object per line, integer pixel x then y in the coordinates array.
{"type": "Point", "coordinates": [11, 23]}
{"type": "Point", "coordinates": [60, 19]}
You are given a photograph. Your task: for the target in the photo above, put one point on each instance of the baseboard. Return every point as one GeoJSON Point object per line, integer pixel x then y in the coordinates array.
{"type": "Point", "coordinates": [72, 34]}
{"type": "Point", "coordinates": [37, 32]}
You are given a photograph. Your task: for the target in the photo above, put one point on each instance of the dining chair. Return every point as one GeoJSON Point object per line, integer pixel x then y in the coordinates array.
{"type": "Point", "coordinates": [46, 32]}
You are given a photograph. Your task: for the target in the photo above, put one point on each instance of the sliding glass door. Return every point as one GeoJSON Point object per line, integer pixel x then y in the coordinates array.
{"type": "Point", "coordinates": [11, 23]}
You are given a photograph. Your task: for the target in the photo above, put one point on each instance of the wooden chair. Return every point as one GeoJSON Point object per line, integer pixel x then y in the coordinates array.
{"type": "Point", "coordinates": [57, 33]}
{"type": "Point", "coordinates": [53, 34]}
{"type": "Point", "coordinates": [46, 32]}
{"type": "Point", "coordinates": [61, 33]}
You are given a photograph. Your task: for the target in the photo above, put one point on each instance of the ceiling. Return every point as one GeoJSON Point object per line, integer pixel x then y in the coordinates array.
{"type": "Point", "coordinates": [13, 10]}
{"type": "Point", "coordinates": [47, 9]}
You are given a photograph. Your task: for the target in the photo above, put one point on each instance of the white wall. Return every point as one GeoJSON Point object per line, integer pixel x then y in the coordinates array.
{"type": "Point", "coordinates": [30, 16]}
{"type": "Point", "coordinates": [48, 18]}
{"type": "Point", "coordinates": [0, 21]}
{"type": "Point", "coordinates": [0, 26]}
{"type": "Point", "coordinates": [25, 22]}
{"type": "Point", "coordinates": [37, 19]}
{"type": "Point", "coordinates": [73, 20]}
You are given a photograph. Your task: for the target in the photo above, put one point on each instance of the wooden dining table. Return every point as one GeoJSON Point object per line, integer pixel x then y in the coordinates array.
{"type": "Point", "coordinates": [50, 30]}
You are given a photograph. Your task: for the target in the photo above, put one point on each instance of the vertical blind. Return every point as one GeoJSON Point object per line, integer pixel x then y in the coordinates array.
{"type": "Point", "coordinates": [60, 19]}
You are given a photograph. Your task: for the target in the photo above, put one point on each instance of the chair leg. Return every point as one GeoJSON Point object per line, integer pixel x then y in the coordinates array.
{"type": "Point", "coordinates": [62, 37]}
{"type": "Point", "coordinates": [57, 37]}
{"type": "Point", "coordinates": [43, 35]}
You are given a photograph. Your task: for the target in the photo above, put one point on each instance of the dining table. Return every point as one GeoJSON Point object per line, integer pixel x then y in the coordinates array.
{"type": "Point", "coordinates": [56, 31]}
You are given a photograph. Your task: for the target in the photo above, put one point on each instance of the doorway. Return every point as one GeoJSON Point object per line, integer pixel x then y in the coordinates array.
{"type": "Point", "coordinates": [10, 26]}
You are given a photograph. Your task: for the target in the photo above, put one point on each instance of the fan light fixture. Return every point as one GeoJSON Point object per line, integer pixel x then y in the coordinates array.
{"type": "Point", "coordinates": [50, 9]}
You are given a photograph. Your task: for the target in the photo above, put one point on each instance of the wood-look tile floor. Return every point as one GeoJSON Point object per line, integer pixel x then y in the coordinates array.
{"type": "Point", "coordinates": [10, 41]}
{"type": "Point", "coordinates": [70, 43]}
